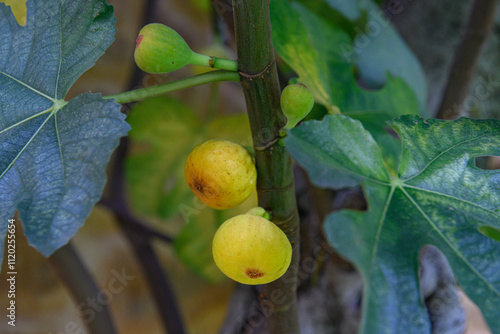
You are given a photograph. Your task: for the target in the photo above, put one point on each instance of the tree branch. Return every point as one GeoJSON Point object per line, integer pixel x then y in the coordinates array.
{"type": "Point", "coordinates": [81, 285]}
{"type": "Point", "coordinates": [138, 234]}
{"type": "Point", "coordinates": [139, 226]}
{"type": "Point", "coordinates": [467, 55]}
{"type": "Point", "coordinates": [275, 182]}
{"type": "Point", "coordinates": [158, 280]}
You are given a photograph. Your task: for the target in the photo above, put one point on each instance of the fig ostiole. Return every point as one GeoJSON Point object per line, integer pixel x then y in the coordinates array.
{"type": "Point", "coordinates": [221, 173]}
{"type": "Point", "coordinates": [251, 250]}
{"type": "Point", "coordinates": [296, 102]}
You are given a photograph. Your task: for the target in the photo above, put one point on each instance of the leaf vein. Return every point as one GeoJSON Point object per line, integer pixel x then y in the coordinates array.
{"type": "Point", "coordinates": [26, 145]}
{"type": "Point", "coordinates": [28, 86]}
{"type": "Point", "coordinates": [26, 119]}
{"type": "Point", "coordinates": [442, 153]}
{"type": "Point", "coordinates": [452, 197]}
{"type": "Point", "coordinates": [448, 242]}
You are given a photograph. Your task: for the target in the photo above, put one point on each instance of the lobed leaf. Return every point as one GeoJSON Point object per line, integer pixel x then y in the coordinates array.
{"type": "Point", "coordinates": [440, 198]}
{"type": "Point", "coordinates": [315, 49]}
{"type": "Point", "coordinates": [53, 152]}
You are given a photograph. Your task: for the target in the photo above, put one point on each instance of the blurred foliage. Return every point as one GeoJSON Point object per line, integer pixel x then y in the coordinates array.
{"type": "Point", "coordinates": [376, 48]}
{"type": "Point", "coordinates": [345, 51]}
{"type": "Point", "coordinates": [311, 49]}
{"type": "Point", "coordinates": [164, 131]}
{"type": "Point", "coordinates": [204, 5]}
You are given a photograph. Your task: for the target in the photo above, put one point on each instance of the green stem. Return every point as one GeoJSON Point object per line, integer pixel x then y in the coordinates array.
{"type": "Point", "coordinates": [169, 87]}
{"type": "Point", "coordinates": [214, 62]}
{"type": "Point", "coordinates": [260, 212]}
{"type": "Point", "coordinates": [275, 181]}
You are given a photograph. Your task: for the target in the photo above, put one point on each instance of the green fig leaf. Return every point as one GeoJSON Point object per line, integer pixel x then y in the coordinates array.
{"type": "Point", "coordinates": [439, 198]}
{"type": "Point", "coordinates": [53, 153]}
{"type": "Point", "coordinates": [311, 46]}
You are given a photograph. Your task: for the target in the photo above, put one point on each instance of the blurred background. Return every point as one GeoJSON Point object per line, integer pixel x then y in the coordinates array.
{"type": "Point", "coordinates": [432, 30]}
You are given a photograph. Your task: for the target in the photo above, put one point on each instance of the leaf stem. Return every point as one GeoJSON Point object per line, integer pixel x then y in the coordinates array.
{"type": "Point", "coordinates": [169, 87]}
{"type": "Point", "coordinates": [214, 62]}
{"type": "Point", "coordinates": [80, 283]}
{"type": "Point", "coordinates": [275, 180]}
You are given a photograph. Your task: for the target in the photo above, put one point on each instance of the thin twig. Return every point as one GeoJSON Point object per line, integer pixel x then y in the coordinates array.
{"type": "Point", "coordinates": [169, 87]}
{"type": "Point", "coordinates": [466, 59]}
{"type": "Point", "coordinates": [139, 236]}
{"type": "Point", "coordinates": [140, 226]}
{"type": "Point", "coordinates": [158, 280]}
{"type": "Point", "coordinates": [82, 287]}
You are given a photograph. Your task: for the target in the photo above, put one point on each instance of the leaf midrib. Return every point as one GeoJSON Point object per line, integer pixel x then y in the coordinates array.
{"type": "Point", "coordinates": [53, 110]}
{"type": "Point", "coordinates": [458, 199]}
{"type": "Point", "coordinates": [329, 158]}
{"type": "Point", "coordinates": [28, 143]}
{"type": "Point", "coordinates": [457, 252]}
{"type": "Point", "coordinates": [53, 100]}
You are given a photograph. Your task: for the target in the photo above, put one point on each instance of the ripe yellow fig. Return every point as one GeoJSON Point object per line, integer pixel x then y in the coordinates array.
{"type": "Point", "coordinates": [251, 250]}
{"type": "Point", "coordinates": [220, 173]}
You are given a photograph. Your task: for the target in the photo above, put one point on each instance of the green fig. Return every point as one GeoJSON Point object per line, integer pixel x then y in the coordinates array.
{"type": "Point", "coordinates": [160, 49]}
{"type": "Point", "coordinates": [296, 102]}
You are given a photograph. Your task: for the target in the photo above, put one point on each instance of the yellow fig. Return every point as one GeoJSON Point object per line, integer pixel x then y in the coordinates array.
{"type": "Point", "coordinates": [220, 173]}
{"type": "Point", "coordinates": [251, 250]}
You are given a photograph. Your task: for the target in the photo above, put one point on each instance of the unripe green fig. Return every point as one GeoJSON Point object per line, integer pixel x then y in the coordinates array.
{"type": "Point", "coordinates": [251, 250]}
{"type": "Point", "coordinates": [296, 102]}
{"type": "Point", "coordinates": [221, 173]}
{"type": "Point", "coordinates": [160, 49]}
